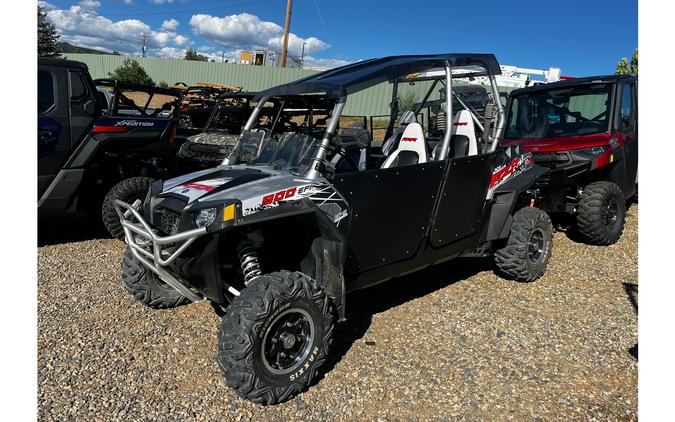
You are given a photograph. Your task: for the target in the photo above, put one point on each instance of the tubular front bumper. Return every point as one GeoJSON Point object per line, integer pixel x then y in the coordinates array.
{"type": "Point", "coordinates": [153, 251]}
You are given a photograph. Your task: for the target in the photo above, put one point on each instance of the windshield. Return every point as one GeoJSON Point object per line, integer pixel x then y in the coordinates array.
{"type": "Point", "coordinates": [581, 110]}
{"type": "Point", "coordinates": [292, 152]}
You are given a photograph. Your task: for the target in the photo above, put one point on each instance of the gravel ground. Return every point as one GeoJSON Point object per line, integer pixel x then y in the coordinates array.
{"type": "Point", "coordinates": [451, 342]}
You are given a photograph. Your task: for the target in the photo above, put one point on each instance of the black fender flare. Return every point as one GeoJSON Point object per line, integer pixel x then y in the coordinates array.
{"type": "Point", "coordinates": [505, 199]}
{"type": "Point", "coordinates": [325, 258]}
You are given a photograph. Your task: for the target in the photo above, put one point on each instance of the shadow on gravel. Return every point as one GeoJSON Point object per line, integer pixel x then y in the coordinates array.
{"type": "Point", "coordinates": [363, 304]}
{"type": "Point", "coordinates": [631, 290]}
{"type": "Point", "coordinates": [566, 223]}
{"type": "Point", "coordinates": [69, 228]}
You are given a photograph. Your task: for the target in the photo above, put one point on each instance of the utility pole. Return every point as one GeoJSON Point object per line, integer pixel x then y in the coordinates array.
{"type": "Point", "coordinates": [144, 44]}
{"type": "Point", "coordinates": [302, 56]}
{"type": "Point", "coordinates": [287, 27]}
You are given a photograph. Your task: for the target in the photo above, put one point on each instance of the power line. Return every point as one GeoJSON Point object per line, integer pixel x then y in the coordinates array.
{"type": "Point", "coordinates": [325, 29]}
{"type": "Point", "coordinates": [174, 12]}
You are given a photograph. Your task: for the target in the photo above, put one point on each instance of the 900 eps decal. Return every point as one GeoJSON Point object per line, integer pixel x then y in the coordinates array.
{"type": "Point", "coordinates": [323, 195]}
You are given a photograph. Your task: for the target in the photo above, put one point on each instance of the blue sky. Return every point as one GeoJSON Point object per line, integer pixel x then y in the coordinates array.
{"type": "Point", "coordinates": [581, 37]}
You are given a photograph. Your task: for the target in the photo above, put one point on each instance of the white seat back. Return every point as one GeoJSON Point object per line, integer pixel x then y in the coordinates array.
{"type": "Point", "coordinates": [412, 149]}
{"type": "Point", "coordinates": [462, 124]}
{"type": "Point", "coordinates": [406, 118]}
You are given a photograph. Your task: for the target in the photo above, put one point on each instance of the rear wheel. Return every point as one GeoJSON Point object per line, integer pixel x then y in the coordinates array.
{"type": "Point", "coordinates": [147, 287]}
{"type": "Point", "coordinates": [528, 249]}
{"type": "Point", "coordinates": [127, 190]}
{"type": "Point", "coordinates": [601, 213]}
{"type": "Point", "coordinates": [275, 336]}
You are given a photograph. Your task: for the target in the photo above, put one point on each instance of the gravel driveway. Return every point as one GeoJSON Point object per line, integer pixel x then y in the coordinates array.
{"type": "Point", "coordinates": [453, 341]}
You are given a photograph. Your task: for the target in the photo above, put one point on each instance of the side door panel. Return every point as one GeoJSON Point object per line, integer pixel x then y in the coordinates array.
{"type": "Point", "coordinates": [53, 124]}
{"type": "Point", "coordinates": [84, 106]}
{"type": "Point", "coordinates": [390, 211]}
{"type": "Point", "coordinates": [460, 207]}
{"type": "Point", "coordinates": [630, 136]}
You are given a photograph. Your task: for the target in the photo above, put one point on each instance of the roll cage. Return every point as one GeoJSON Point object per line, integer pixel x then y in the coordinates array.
{"type": "Point", "coordinates": [336, 85]}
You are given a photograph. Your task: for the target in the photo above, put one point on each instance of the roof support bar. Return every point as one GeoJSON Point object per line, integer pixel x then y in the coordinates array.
{"type": "Point", "coordinates": [322, 149]}
{"type": "Point", "coordinates": [256, 112]}
{"type": "Point", "coordinates": [501, 119]}
{"type": "Point", "coordinates": [445, 146]}
{"type": "Point", "coordinates": [252, 119]}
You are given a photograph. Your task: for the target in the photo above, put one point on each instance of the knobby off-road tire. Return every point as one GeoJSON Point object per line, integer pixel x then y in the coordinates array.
{"type": "Point", "coordinates": [279, 313]}
{"type": "Point", "coordinates": [529, 247]}
{"type": "Point", "coordinates": [127, 190]}
{"type": "Point", "coordinates": [147, 287]}
{"type": "Point", "coordinates": [601, 213]}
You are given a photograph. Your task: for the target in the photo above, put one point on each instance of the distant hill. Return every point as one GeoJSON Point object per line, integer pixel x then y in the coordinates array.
{"type": "Point", "coordinates": [64, 47]}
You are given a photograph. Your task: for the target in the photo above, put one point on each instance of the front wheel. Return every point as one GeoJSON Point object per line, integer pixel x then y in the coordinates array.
{"type": "Point", "coordinates": [128, 190]}
{"type": "Point", "coordinates": [275, 336]}
{"type": "Point", "coordinates": [528, 249]}
{"type": "Point", "coordinates": [601, 213]}
{"type": "Point", "coordinates": [147, 287]}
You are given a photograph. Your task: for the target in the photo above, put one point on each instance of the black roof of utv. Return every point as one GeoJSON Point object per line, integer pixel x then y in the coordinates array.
{"type": "Point", "coordinates": [572, 82]}
{"type": "Point", "coordinates": [351, 78]}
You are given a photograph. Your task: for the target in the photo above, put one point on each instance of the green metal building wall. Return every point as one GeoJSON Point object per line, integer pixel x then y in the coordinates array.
{"type": "Point", "coordinates": [371, 102]}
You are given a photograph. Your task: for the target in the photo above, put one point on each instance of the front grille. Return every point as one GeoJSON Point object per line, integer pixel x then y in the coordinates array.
{"type": "Point", "coordinates": [551, 159]}
{"type": "Point", "coordinates": [169, 221]}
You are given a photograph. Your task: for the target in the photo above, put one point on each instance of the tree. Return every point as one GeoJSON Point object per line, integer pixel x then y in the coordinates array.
{"type": "Point", "coordinates": [132, 72]}
{"type": "Point", "coordinates": [191, 54]}
{"type": "Point", "coordinates": [47, 37]}
{"type": "Point", "coordinates": [634, 63]}
{"type": "Point", "coordinates": [624, 68]}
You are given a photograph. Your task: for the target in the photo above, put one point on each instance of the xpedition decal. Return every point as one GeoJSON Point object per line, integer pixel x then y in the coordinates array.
{"type": "Point", "coordinates": [323, 195]}
{"type": "Point", "coordinates": [135, 123]}
{"type": "Point", "coordinates": [508, 171]}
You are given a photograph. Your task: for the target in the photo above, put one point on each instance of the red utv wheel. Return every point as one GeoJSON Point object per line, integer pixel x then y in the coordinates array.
{"type": "Point", "coordinates": [601, 213]}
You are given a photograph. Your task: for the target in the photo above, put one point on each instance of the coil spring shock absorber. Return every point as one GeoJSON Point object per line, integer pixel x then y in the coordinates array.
{"type": "Point", "coordinates": [248, 259]}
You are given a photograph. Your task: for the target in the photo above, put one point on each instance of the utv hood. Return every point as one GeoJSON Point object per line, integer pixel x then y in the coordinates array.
{"type": "Point", "coordinates": [194, 186]}
{"type": "Point", "coordinates": [562, 143]}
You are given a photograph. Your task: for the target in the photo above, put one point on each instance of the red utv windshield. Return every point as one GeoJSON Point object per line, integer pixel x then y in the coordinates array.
{"type": "Point", "coordinates": [580, 110]}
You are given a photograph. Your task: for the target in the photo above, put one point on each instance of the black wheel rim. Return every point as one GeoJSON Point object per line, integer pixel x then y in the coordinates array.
{"type": "Point", "coordinates": [288, 341]}
{"type": "Point", "coordinates": [535, 246]}
{"type": "Point", "coordinates": [610, 212]}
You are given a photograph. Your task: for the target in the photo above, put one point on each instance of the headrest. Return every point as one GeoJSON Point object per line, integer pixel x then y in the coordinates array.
{"type": "Point", "coordinates": [358, 137]}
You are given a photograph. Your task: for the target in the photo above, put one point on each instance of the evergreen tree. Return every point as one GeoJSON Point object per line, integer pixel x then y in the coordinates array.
{"type": "Point", "coordinates": [191, 54]}
{"type": "Point", "coordinates": [47, 37]}
{"type": "Point", "coordinates": [623, 67]}
{"type": "Point", "coordinates": [132, 72]}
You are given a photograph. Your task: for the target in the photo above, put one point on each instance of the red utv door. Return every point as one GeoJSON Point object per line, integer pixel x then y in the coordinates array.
{"type": "Point", "coordinates": [627, 125]}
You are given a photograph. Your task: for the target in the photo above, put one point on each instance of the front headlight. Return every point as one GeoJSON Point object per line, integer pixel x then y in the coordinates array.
{"type": "Point", "coordinates": [206, 217]}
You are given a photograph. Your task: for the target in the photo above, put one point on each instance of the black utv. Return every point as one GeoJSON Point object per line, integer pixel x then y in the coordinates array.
{"type": "Point", "coordinates": [295, 219]}
{"type": "Point", "coordinates": [96, 144]}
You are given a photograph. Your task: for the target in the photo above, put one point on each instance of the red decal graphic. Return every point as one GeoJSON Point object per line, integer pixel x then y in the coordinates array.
{"type": "Point", "coordinates": [198, 186]}
{"type": "Point", "coordinates": [279, 196]}
{"type": "Point", "coordinates": [409, 139]}
{"type": "Point", "coordinates": [268, 199]}
{"type": "Point", "coordinates": [461, 123]}
{"type": "Point", "coordinates": [273, 198]}
{"type": "Point", "coordinates": [504, 173]}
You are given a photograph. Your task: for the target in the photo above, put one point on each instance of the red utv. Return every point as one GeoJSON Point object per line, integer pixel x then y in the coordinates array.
{"type": "Point", "coordinates": [585, 131]}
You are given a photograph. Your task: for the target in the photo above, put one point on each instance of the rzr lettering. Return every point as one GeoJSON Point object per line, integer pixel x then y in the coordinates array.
{"type": "Point", "coordinates": [409, 139]}
{"type": "Point", "coordinates": [279, 196]}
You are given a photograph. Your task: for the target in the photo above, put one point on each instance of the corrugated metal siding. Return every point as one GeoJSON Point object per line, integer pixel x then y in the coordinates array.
{"type": "Point", "coordinates": [371, 102]}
